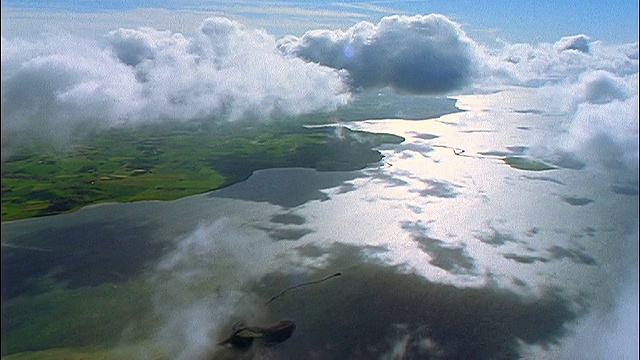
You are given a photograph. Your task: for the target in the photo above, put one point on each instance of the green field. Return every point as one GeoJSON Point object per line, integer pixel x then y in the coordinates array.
{"type": "Point", "coordinates": [169, 161]}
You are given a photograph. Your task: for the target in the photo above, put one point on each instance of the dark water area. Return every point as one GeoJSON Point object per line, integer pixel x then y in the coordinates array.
{"type": "Point", "coordinates": [85, 275]}
{"type": "Point", "coordinates": [374, 104]}
{"type": "Point", "coordinates": [286, 187]}
{"type": "Point", "coordinates": [373, 308]}
{"type": "Point", "coordinates": [113, 243]}
{"type": "Point", "coordinates": [387, 104]}
{"type": "Point", "coordinates": [87, 254]}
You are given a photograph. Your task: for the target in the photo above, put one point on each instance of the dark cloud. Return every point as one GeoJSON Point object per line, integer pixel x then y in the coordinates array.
{"type": "Point", "coordinates": [440, 189]}
{"type": "Point", "coordinates": [576, 201]}
{"type": "Point", "coordinates": [288, 219]}
{"type": "Point", "coordinates": [525, 259]}
{"type": "Point", "coordinates": [575, 255]}
{"type": "Point", "coordinates": [495, 237]}
{"type": "Point", "coordinates": [418, 54]}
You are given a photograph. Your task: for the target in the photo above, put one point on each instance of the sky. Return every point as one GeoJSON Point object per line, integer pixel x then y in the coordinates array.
{"type": "Point", "coordinates": [530, 21]}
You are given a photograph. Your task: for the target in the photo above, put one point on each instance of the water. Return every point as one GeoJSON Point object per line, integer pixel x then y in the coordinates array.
{"type": "Point", "coordinates": [441, 256]}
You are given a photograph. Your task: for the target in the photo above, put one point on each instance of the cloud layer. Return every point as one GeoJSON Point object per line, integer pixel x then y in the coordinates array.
{"type": "Point", "coordinates": [597, 123]}
{"type": "Point", "coordinates": [566, 59]}
{"type": "Point", "coordinates": [417, 54]}
{"type": "Point", "coordinates": [593, 86]}
{"type": "Point", "coordinates": [60, 85]}
{"type": "Point", "coordinates": [200, 286]}
{"type": "Point", "coordinates": [55, 86]}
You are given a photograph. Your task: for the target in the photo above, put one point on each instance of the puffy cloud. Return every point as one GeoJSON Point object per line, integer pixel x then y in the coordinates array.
{"type": "Point", "coordinates": [604, 128]}
{"type": "Point", "coordinates": [600, 87]}
{"type": "Point", "coordinates": [606, 134]}
{"type": "Point", "coordinates": [59, 85]}
{"type": "Point", "coordinates": [55, 86]}
{"type": "Point", "coordinates": [576, 42]}
{"type": "Point", "coordinates": [600, 123]}
{"type": "Point", "coordinates": [194, 299]}
{"type": "Point", "coordinates": [417, 54]}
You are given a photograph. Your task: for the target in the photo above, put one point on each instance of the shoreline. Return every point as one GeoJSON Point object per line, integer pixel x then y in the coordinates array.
{"type": "Point", "coordinates": [347, 151]}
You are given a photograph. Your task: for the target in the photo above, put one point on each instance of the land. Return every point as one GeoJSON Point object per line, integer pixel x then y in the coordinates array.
{"type": "Point", "coordinates": [524, 163]}
{"type": "Point", "coordinates": [171, 160]}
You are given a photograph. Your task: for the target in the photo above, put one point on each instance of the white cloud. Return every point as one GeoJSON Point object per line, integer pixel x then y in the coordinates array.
{"type": "Point", "coordinates": [576, 42]}
{"type": "Point", "coordinates": [200, 286]}
{"type": "Point", "coordinates": [417, 54]}
{"type": "Point", "coordinates": [600, 87]}
{"type": "Point", "coordinates": [602, 130]}
{"type": "Point", "coordinates": [58, 85]}
{"type": "Point", "coordinates": [597, 123]}
{"type": "Point", "coordinates": [54, 86]}
{"type": "Point", "coordinates": [567, 59]}
{"type": "Point", "coordinates": [592, 91]}
{"type": "Point", "coordinates": [605, 134]}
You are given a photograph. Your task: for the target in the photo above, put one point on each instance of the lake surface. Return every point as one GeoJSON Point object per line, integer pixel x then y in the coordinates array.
{"type": "Point", "coordinates": [440, 255]}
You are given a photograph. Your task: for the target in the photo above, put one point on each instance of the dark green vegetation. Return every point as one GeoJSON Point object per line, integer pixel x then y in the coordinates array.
{"type": "Point", "coordinates": [523, 163]}
{"type": "Point", "coordinates": [169, 161]}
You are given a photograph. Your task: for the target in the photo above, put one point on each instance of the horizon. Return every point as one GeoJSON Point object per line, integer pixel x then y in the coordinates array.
{"type": "Point", "coordinates": [485, 22]}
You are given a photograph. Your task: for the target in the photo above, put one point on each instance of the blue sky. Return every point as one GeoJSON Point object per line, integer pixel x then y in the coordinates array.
{"type": "Point", "coordinates": [515, 21]}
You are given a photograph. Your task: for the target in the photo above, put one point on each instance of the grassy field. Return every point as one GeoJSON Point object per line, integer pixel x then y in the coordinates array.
{"type": "Point", "coordinates": [169, 161]}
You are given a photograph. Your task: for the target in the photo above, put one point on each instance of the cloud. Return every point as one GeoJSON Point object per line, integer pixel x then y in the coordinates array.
{"type": "Point", "coordinates": [611, 329]}
{"type": "Point", "coordinates": [601, 87]}
{"type": "Point", "coordinates": [200, 286]}
{"type": "Point", "coordinates": [593, 95]}
{"type": "Point", "coordinates": [598, 123]}
{"type": "Point", "coordinates": [606, 134]}
{"type": "Point", "coordinates": [603, 129]}
{"type": "Point", "coordinates": [566, 60]}
{"type": "Point", "coordinates": [58, 85]}
{"type": "Point", "coordinates": [592, 88]}
{"type": "Point", "coordinates": [576, 42]}
{"type": "Point", "coordinates": [416, 54]}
